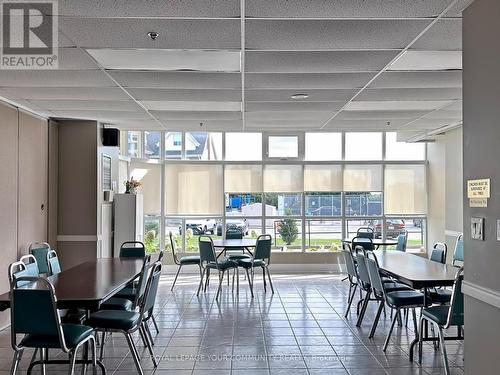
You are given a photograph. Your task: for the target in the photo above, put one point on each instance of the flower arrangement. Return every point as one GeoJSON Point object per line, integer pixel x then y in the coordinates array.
{"type": "Point", "coordinates": [131, 186]}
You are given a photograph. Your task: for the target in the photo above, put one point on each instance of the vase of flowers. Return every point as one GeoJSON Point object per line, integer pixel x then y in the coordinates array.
{"type": "Point", "coordinates": [131, 186]}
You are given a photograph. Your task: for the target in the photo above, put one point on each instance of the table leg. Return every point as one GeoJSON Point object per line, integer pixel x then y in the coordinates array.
{"type": "Point", "coordinates": [425, 333]}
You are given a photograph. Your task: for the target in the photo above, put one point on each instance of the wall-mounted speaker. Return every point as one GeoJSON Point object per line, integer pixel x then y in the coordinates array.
{"type": "Point", "coordinates": [111, 137]}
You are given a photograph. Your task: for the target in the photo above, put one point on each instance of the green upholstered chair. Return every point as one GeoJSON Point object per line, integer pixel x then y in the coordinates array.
{"type": "Point", "coordinates": [438, 253]}
{"type": "Point", "coordinates": [443, 317]}
{"type": "Point", "coordinates": [131, 293]}
{"type": "Point", "coordinates": [365, 242]}
{"type": "Point", "coordinates": [31, 265]}
{"type": "Point", "coordinates": [365, 232]}
{"type": "Point", "coordinates": [46, 331]}
{"type": "Point", "coordinates": [188, 260]}
{"type": "Point", "coordinates": [132, 249]}
{"type": "Point", "coordinates": [262, 259]}
{"type": "Point", "coordinates": [40, 250]}
{"type": "Point", "coordinates": [128, 322]}
{"type": "Point", "coordinates": [352, 276]}
{"type": "Point", "coordinates": [209, 261]}
{"type": "Point", "coordinates": [439, 295]}
{"type": "Point", "coordinates": [402, 241]}
{"type": "Point", "coordinates": [235, 253]}
{"type": "Point", "coordinates": [458, 253]}
{"type": "Point", "coordinates": [396, 299]}
{"type": "Point", "coordinates": [53, 263]}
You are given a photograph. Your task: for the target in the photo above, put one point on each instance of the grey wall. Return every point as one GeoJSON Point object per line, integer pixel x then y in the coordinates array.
{"type": "Point", "coordinates": [481, 77]}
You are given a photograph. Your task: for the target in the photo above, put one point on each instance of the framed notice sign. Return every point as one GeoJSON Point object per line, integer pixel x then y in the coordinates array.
{"type": "Point", "coordinates": [478, 188]}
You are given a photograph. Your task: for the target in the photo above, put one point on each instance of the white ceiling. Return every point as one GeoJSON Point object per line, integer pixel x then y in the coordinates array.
{"type": "Point", "coordinates": [363, 64]}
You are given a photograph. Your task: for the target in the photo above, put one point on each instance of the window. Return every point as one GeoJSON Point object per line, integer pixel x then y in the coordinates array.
{"type": "Point", "coordinates": [363, 178]}
{"type": "Point", "coordinates": [283, 178]}
{"type": "Point", "coordinates": [244, 146]}
{"type": "Point", "coordinates": [243, 204]}
{"type": "Point", "coordinates": [395, 150]}
{"type": "Point", "coordinates": [283, 204]}
{"type": "Point", "coordinates": [193, 189]}
{"type": "Point", "coordinates": [363, 204]}
{"type": "Point", "coordinates": [323, 146]}
{"type": "Point", "coordinates": [173, 145]}
{"type": "Point", "coordinates": [352, 227]}
{"type": "Point", "coordinates": [197, 226]}
{"type": "Point", "coordinates": [173, 226]}
{"type": "Point", "coordinates": [322, 178]}
{"type": "Point", "coordinates": [149, 175]}
{"type": "Point", "coordinates": [323, 204]}
{"type": "Point", "coordinates": [414, 226]}
{"type": "Point", "coordinates": [283, 146]}
{"type": "Point", "coordinates": [323, 235]}
{"type": "Point", "coordinates": [203, 146]}
{"type": "Point", "coordinates": [286, 233]}
{"type": "Point", "coordinates": [134, 142]}
{"type": "Point", "coordinates": [243, 178]}
{"type": "Point", "coordinates": [363, 146]}
{"type": "Point", "coordinates": [405, 190]}
{"type": "Point", "coordinates": [152, 233]}
{"type": "Point", "coordinates": [152, 142]}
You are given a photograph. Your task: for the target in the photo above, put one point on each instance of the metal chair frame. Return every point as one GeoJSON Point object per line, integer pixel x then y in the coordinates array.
{"type": "Point", "coordinates": [177, 261]}
{"type": "Point", "coordinates": [460, 239]}
{"type": "Point", "coordinates": [39, 245]}
{"type": "Point", "coordinates": [51, 255]}
{"type": "Point", "coordinates": [265, 267]}
{"type": "Point", "coordinates": [352, 276]}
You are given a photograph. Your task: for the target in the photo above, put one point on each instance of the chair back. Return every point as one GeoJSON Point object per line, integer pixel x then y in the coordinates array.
{"type": "Point", "coordinates": [152, 287]}
{"type": "Point", "coordinates": [365, 232]}
{"type": "Point", "coordinates": [53, 262]}
{"type": "Point", "coordinates": [161, 254]}
{"type": "Point", "coordinates": [40, 250]}
{"type": "Point", "coordinates": [458, 253]}
{"type": "Point", "coordinates": [365, 242]}
{"type": "Point", "coordinates": [132, 249]}
{"type": "Point", "coordinates": [263, 247]}
{"type": "Point", "coordinates": [456, 312]}
{"type": "Point", "coordinates": [402, 241]}
{"type": "Point", "coordinates": [234, 234]}
{"type": "Point", "coordinates": [374, 273]}
{"type": "Point", "coordinates": [17, 270]}
{"type": "Point", "coordinates": [438, 253]}
{"type": "Point", "coordinates": [349, 264]}
{"type": "Point", "coordinates": [173, 245]}
{"type": "Point", "coordinates": [143, 279]}
{"type": "Point", "coordinates": [22, 300]}
{"type": "Point", "coordinates": [31, 265]}
{"type": "Point", "coordinates": [207, 250]}
{"type": "Point", "coordinates": [363, 274]}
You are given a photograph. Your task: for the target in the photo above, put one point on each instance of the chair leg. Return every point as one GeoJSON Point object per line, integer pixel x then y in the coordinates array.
{"type": "Point", "coordinates": [415, 325]}
{"type": "Point", "coordinates": [264, 279]}
{"type": "Point", "coordinates": [176, 276]}
{"type": "Point", "coordinates": [221, 279]}
{"type": "Point", "coordinates": [252, 276]}
{"type": "Point", "coordinates": [377, 317]}
{"type": "Point", "coordinates": [420, 340]}
{"type": "Point", "coordinates": [201, 283]}
{"type": "Point", "coordinates": [237, 280]}
{"type": "Point", "coordinates": [148, 345]}
{"type": "Point", "coordinates": [135, 355]}
{"type": "Point", "coordinates": [249, 282]}
{"type": "Point", "coordinates": [148, 333]}
{"type": "Point", "coordinates": [72, 361]}
{"type": "Point", "coordinates": [15, 362]}
{"type": "Point", "coordinates": [42, 358]}
{"type": "Point", "coordinates": [363, 309]}
{"type": "Point", "coordinates": [154, 323]}
{"type": "Point", "coordinates": [103, 340]}
{"type": "Point", "coordinates": [443, 349]}
{"type": "Point", "coordinates": [93, 345]}
{"type": "Point", "coordinates": [207, 281]}
{"type": "Point", "coordinates": [352, 293]}
{"type": "Point", "coordinates": [144, 339]}
{"type": "Point", "coordinates": [396, 315]}
{"type": "Point", "coordinates": [270, 281]}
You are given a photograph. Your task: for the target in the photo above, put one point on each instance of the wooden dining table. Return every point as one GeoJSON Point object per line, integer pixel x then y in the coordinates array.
{"type": "Point", "coordinates": [419, 273]}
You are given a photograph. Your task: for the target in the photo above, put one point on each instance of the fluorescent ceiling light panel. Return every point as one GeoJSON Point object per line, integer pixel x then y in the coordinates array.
{"type": "Point", "coordinates": [162, 105]}
{"type": "Point", "coordinates": [416, 105]}
{"type": "Point", "coordinates": [168, 60]}
{"type": "Point", "coordinates": [428, 60]}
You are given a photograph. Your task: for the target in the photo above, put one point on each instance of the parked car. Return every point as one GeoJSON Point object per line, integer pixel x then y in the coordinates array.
{"type": "Point", "coordinates": [394, 227]}
{"type": "Point", "coordinates": [240, 224]}
{"type": "Point", "coordinates": [200, 226]}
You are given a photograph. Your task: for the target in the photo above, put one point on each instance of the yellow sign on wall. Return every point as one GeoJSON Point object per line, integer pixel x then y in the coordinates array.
{"type": "Point", "coordinates": [478, 188]}
{"type": "Point", "coordinates": [478, 202]}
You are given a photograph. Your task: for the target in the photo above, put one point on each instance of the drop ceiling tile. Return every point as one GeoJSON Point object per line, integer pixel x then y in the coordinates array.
{"type": "Point", "coordinates": [284, 95]}
{"type": "Point", "coordinates": [428, 61]}
{"type": "Point", "coordinates": [411, 94]}
{"type": "Point", "coordinates": [197, 115]}
{"type": "Point", "coordinates": [288, 115]}
{"type": "Point", "coordinates": [331, 35]}
{"type": "Point", "coordinates": [64, 105]}
{"type": "Point", "coordinates": [317, 62]}
{"type": "Point", "coordinates": [379, 115]}
{"type": "Point", "coordinates": [208, 125]}
{"type": "Point", "coordinates": [457, 106]}
{"type": "Point", "coordinates": [164, 105]}
{"type": "Point", "coordinates": [186, 94]}
{"type": "Point", "coordinates": [150, 8]}
{"type": "Point", "coordinates": [395, 105]}
{"type": "Point", "coordinates": [360, 124]}
{"type": "Point", "coordinates": [73, 93]}
{"type": "Point", "coordinates": [102, 115]}
{"type": "Point", "coordinates": [266, 125]}
{"type": "Point", "coordinates": [132, 33]}
{"type": "Point", "coordinates": [178, 80]}
{"type": "Point", "coordinates": [167, 60]}
{"type": "Point", "coordinates": [428, 124]}
{"type": "Point", "coordinates": [293, 106]}
{"type": "Point", "coordinates": [444, 35]}
{"type": "Point", "coordinates": [306, 80]}
{"type": "Point", "coordinates": [418, 80]}
{"type": "Point", "coordinates": [457, 9]}
{"type": "Point", "coordinates": [344, 8]}
{"type": "Point", "coordinates": [54, 78]}
{"type": "Point", "coordinates": [445, 114]}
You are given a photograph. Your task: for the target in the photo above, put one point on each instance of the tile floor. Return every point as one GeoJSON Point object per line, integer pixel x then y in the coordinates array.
{"type": "Point", "coordinates": [298, 330]}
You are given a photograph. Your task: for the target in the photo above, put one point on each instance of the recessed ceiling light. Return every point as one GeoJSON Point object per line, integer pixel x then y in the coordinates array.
{"type": "Point", "coordinates": [299, 96]}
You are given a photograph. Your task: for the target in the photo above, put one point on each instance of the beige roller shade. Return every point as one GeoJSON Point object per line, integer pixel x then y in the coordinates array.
{"type": "Point", "coordinates": [322, 178]}
{"type": "Point", "coordinates": [193, 189]}
{"type": "Point", "coordinates": [362, 178]}
{"type": "Point", "coordinates": [283, 179]}
{"type": "Point", "coordinates": [149, 175]}
{"type": "Point", "coordinates": [405, 190]}
{"type": "Point", "coordinates": [243, 179]}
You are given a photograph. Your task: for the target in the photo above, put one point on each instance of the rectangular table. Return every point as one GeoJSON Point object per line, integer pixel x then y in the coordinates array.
{"type": "Point", "coordinates": [89, 284]}
{"type": "Point", "coordinates": [418, 273]}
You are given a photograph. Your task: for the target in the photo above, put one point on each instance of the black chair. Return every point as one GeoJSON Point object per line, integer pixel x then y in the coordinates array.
{"type": "Point", "coordinates": [439, 252]}
{"type": "Point", "coordinates": [46, 331]}
{"type": "Point", "coordinates": [402, 241]}
{"type": "Point", "coordinates": [235, 253]}
{"type": "Point", "coordinates": [365, 232]}
{"type": "Point", "coordinates": [352, 276]}
{"type": "Point", "coordinates": [132, 249]}
{"type": "Point", "coordinates": [40, 250]}
{"type": "Point", "coordinates": [188, 260]}
{"type": "Point", "coordinates": [458, 253]}
{"type": "Point", "coordinates": [365, 242]}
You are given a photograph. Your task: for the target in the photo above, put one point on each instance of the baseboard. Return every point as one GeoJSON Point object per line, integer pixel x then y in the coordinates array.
{"type": "Point", "coordinates": [274, 268]}
{"type": "Point", "coordinates": [486, 295]}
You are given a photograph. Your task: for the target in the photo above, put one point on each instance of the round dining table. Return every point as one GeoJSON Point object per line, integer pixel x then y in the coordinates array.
{"type": "Point", "coordinates": [233, 244]}
{"type": "Point", "coordinates": [377, 242]}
